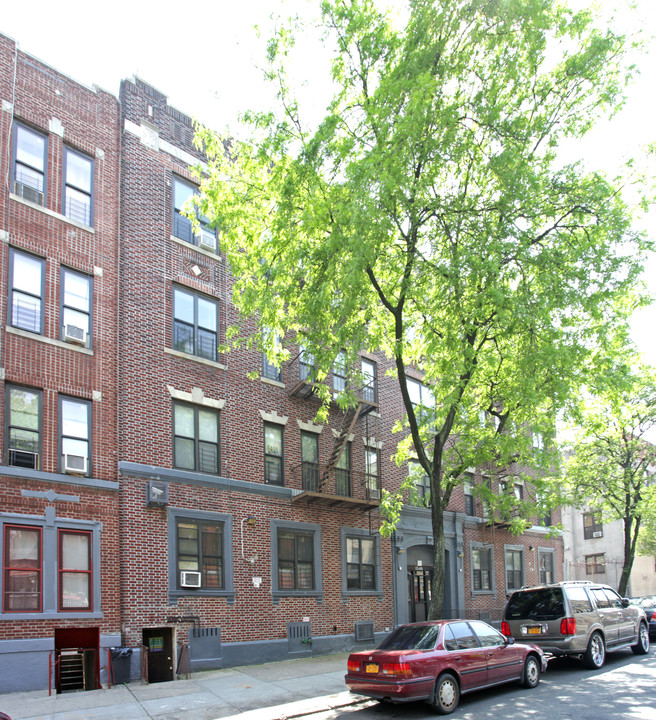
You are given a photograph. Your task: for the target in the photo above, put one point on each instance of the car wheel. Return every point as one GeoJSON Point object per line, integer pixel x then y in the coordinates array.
{"type": "Point", "coordinates": [531, 672]}
{"type": "Point", "coordinates": [642, 646]}
{"type": "Point", "coordinates": [446, 695]}
{"type": "Point", "coordinates": [595, 655]}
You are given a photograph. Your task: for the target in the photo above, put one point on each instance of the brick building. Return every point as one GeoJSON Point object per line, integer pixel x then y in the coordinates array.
{"type": "Point", "coordinates": [58, 272]}
{"type": "Point", "coordinates": [243, 530]}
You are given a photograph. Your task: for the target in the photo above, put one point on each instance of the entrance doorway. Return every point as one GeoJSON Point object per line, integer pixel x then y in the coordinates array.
{"type": "Point", "coordinates": [420, 577]}
{"type": "Point", "coordinates": [158, 643]}
{"type": "Point", "coordinates": [77, 659]}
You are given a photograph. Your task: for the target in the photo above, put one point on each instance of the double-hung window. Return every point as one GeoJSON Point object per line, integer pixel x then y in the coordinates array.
{"type": "Point", "coordinates": [360, 563]}
{"type": "Point", "coordinates": [514, 568]}
{"type": "Point", "coordinates": [369, 383]}
{"type": "Point", "coordinates": [23, 569]}
{"type": "Point", "coordinates": [421, 482]}
{"type": "Point", "coordinates": [468, 489]}
{"type": "Point", "coordinates": [372, 477]}
{"type": "Point", "coordinates": [23, 419]}
{"type": "Point", "coordinates": [305, 364]}
{"type": "Point", "coordinates": [420, 395]}
{"type": "Point", "coordinates": [182, 225]}
{"type": "Point", "coordinates": [270, 370]}
{"type": "Point", "coordinates": [273, 473]}
{"type": "Point", "coordinates": [75, 584]}
{"type": "Point", "coordinates": [200, 550]}
{"type": "Point", "coordinates": [343, 472]}
{"type": "Point", "coordinates": [26, 293]}
{"type": "Point", "coordinates": [76, 306]}
{"type": "Point", "coordinates": [195, 324]}
{"type": "Point", "coordinates": [339, 372]}
{"type": "Point", "coordinates": [310, 460]}
{"type": "Point", "coordinates": [29, 167]}
{"type": "Point", "coordinates": [482, 565]}
{"type": "Point", "coordinates": [295, 560]}
{"type": "Point", "coordinates": [592, 526]}
{"type": "Point", "coordinates": [75, 435]}
{"type": "Point", "coordinates": [545, 567]}
{"type": "Point", "coordinates": [196, 438]}
{"type": "Point", "coordinates": [595, 564]}
{"type": "Point", "coordinates": [78, 187]}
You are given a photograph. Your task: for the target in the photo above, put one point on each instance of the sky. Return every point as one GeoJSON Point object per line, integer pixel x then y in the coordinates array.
{"type": "Point", "coordinates": [204, 55]}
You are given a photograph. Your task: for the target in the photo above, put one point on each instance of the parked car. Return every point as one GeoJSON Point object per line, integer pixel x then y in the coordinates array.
{"type": "Point", "coordinates": [576, 618]}
{"type": "Point", "coordinates": [440, 660]}
{"type": "Point", "coordinates": [648, 604]}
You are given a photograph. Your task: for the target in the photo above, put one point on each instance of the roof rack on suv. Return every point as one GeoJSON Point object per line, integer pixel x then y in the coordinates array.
{"type": "Point", "coordinates": [576, 582]}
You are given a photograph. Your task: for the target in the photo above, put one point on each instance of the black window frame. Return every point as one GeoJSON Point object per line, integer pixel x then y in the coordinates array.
{"type": "Point", "coordinates": [8, 426]}
{"type": "Point", "coordinates": [593, 566]}
{"type": "Point", "coordinates": [514, 575]}
{"type": "Point", "coordinates": [14, 160]}
{"type": "Point", "coordinates": [68, 210]}
{"type": "Point", "coordinates": [591, 525]}
{"type": "Point", "coordinates": [269, 457]}
{"type": "Point", "coordinates": [307, 529]}
{"type": "Point", "coordinates": [13, 253]}
{"type": "Point", "coordinates": [63, 306]}
{"type": "Point", "coordinates": [369, 389]}
{"type": "Point", "coordinates": [196, 329]}
{"type": "Point", "coordinates": [544, 578]}
{"type": "Point", "coordinates": [200, 556]}
{"type": "Point", "coordinates": [358, 584]}
{"type": "Point", "coordinates": [62, 437]}
{"type": "Point", "coordinates": [343, 485]}
{"type": "Point", "coordinates": [182, 227]}
{"type": "Point", "coordinates": [198, 465]}
{"type": "Point", "coordinates": [468, 492]}
{"type": "Point", "coordinates": [478, 573]}
{"type": "Point", "coordinates": [339, 372]}
{"type": "Point", "coordinates": [310, 467]}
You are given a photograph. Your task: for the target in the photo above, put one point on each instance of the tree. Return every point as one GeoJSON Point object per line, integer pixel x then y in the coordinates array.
{"type": "Point", "coordinates": [612, 466]}
{"type": "Point", "coordinates": [426, 216]}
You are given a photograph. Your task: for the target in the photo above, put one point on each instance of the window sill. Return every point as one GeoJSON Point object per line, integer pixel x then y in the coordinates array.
{"type": "Point", "coordinates": [52, 213]}
{"type": "Point", "coordinates": [275, 383]}
{"type": "Point", "coordinates": [48, 341]}
{"type": "Point", "coordinates": [51, 615]}
{"type": "Point", "coordinates": [194, 358]}
{"type": "Point", "coordinates": [185, 244]}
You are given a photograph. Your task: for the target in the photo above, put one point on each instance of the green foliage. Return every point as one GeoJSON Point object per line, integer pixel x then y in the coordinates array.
{"type": "Point", "coordinates": [427, 216]}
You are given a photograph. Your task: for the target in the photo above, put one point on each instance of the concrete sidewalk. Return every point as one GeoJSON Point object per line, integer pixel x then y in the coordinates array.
{"type": "Point", "coordinates": [272, 691]}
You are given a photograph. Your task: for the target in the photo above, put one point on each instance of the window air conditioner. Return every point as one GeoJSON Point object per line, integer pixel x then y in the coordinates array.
{"type": "Point", "coordinates": [373, 494]}
{"type": "Point", "coordinates": [189, 579]}
{"type": "Point", "coordinates": [24, 459]}
{"type": "Point", "coordinates": [28, 193]}
{"type": "Point", "coordinates": [75, 334]}
{"type": "Point", "coordinates": [76, 464]}
{"type": "Point", "coordinates": [207, 240]}
{"type": "Point", "coordinates": [597, 533]}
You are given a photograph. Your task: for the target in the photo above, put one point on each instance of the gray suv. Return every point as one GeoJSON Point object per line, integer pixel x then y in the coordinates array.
{"type": "Point", "coordinates": [576, 618]}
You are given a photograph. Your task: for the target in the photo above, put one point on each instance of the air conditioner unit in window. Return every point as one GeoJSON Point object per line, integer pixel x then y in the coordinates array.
{"type": "Point", "coordinates": [75, 464]}
{"type": "Point", "coordinates": [28, 193]}
{"type": "Point", "coordinates": [373, 494]}
{"type": "Point", "coordinates": [598, 533]}
{"type": "Point", "coordinates": [189, 579]}
{"type": "Point", "coordinates": [24, 459]}
{"type": "Point", "coordinates": [75, 334]}
{"type": "Point", "coordinates": [207, 240]}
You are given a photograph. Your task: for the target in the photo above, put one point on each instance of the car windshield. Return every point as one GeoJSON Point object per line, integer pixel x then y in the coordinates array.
{"type": "Point", "coordinates": [411, 637]}
{"type": "Point", "coordinates": [542, 604]}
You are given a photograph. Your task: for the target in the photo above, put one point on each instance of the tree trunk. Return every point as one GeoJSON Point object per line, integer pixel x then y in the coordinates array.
{"type": "Point", "coordinates": [437, 586]}
{"type": "Point", "coordinates": [631, 529]}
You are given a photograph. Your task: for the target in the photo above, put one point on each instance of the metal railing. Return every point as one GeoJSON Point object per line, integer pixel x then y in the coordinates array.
{"type": "Point", "coordinates": [341, 482]}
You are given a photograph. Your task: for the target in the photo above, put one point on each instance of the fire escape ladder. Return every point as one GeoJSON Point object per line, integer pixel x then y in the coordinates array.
{"type": "Point", "coordinates": [348, 423]}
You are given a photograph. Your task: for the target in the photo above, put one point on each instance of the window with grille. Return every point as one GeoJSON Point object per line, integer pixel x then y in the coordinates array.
{"type": "Point", "coordinates": [295, 560]}
{"type": "Point", "coordinates": [196, 438]}
{"type": "Point", "coordinates": [481, 568]}
{"type": "Point", "coordinates": [26, 291]}
{"type": "Point", "coordinates": [78, 187]}
{"type": "Point", "coordinates": [199, 548]}
{"type": "Point", "coordinates": [360, 563]}
{"type": "Point", "coordinates": [195, 324]}
{"type": "Point", "coordinates": [273, 470]}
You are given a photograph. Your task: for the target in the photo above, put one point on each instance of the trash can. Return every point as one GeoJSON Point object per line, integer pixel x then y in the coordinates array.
{"type": "Point", "coordinates": [120, 664]}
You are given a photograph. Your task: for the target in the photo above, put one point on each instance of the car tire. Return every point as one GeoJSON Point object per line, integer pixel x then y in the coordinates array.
{"type": "Point", "coordinates": [642, 646]}
{"type": "Point", "coordinates": [531, 676]}
{"type": "Point", "coordinates": [446, 695]}
{"type": "Point", "coordinates": [595, 655]}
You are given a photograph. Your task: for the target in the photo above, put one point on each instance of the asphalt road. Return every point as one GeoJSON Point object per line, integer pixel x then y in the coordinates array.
{"type": "Point", "coordinates": [624, 689]}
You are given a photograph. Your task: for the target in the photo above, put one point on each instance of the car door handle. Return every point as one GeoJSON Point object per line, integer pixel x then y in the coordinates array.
{"type": "Point", "coordinates": [456, 658]}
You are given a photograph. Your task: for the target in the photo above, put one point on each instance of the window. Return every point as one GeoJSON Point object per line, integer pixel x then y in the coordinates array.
{"type": "Point", "coordinates": [360, 567]}
{"type": "Point", "coordinates": [343, 472]}
{"type": "Point", "coordinates": [23, 414]}
{"type": "Point", "coordinates": [420, 394]}
{"type": "Point", "coordinates": [306, 364]}
{"type": "Point", "coordinates": [468, 489]}
{"type": "Point", "coordinates": [199, 548]}
{"type": "Point", "coordinates": [295, 560]}
{"type": "Point", "coordinates": [195, 324]}
{"type": "Point", "coordinates": [339, 372]}
{"type": "Point", "coordinates": [75, 571]}
{"type": "Point", "coordinates": [461, 636]}
{"type": "Point", "coordinates": [78, 187]}
{"type": "Point", "coordinates": [182, 226]}
{"type": "Point", "coordinates": [76, 307]}
{"type": "Point", "coordinates": [196, 438]}
{"type": "Point", "coordinates": [595, 564]}
{"type": "Point", "coordinates": [310, 460]}
{"type": "Point", "coordinates": [482, 569]}
{"type": "Point", "coordinates": [487, 636]}
{"type": "Point", "coordinates": [545, 567]}
{"type": "Point", "coordinates": [372, 478]}
{"type": "Point", "coordinates": [23, 568]}
{"type": "Point", "coordinates": [273, 454]}
{"type": "Point", "coordinates": [30, 152]}
{"type": "Point", "coordinates": [74, 435]}
{"type": "Point", "coordinates": [26, 282]}
{"type": "Point", "coordinates": [269, 370]}
{"type": "Point", "coordinates": [369, 383]}
{"type": "Point", "coordinates": [421, 484]}
{"type": "Point", "coordinates": [592, 526]}
{"type": "Point", "coordinates": [514, 568]}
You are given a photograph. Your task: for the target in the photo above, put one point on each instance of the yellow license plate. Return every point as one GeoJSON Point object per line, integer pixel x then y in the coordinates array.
{"type": "Point", "coordinates": [534, 631]}
{"type": "Point", "coordinates": [371, 668]}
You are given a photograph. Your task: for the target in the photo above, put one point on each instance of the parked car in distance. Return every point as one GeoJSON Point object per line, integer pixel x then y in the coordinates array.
{"type": "Point", "coordinates": [438, 661]}
{"type": "Point", "coordinates": [648, 604]}
{"type": "Point", "coordinates": [576, 618]}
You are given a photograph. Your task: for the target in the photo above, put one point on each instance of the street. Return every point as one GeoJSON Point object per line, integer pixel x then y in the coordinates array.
{"type": "Point", "coordinates": [624, 688]}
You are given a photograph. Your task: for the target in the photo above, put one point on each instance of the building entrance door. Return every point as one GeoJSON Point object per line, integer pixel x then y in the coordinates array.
{"type": "Point", "coordinates": [419, 592]}
{"type": "Point", "coordinates": [159, 643]}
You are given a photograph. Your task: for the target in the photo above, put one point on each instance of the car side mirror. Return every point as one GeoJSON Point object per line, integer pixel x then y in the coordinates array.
{"type": "Point", "coordinates": [510, 640]}
{"type": "Point", "coordinates": [625, 602]}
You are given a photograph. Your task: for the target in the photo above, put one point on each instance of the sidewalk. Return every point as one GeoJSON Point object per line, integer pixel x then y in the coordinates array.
{"type": "Point", "coordinates": [272, 691]}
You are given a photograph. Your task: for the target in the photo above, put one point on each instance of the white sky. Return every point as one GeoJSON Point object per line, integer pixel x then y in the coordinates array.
{"type": "Point", "coordinates": [202, 55]}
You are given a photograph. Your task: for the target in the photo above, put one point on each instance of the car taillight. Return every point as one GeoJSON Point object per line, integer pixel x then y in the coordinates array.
{"type": "Point", "coordinates": [568, 626]}
{"type": "Point", "coordinates": [396, 669]}
{"type": "Point", "coordinates": [353, 666]}
{"type": "Point", "coordinates": [505, 629]}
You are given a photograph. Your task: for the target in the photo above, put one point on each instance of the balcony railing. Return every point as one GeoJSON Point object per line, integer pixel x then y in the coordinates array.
{"type": "Point", "coordinates": [335, 485]}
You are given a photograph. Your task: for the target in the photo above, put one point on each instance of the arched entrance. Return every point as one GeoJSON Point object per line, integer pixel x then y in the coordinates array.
{"type": "Point", "coordinates": [420, 575]}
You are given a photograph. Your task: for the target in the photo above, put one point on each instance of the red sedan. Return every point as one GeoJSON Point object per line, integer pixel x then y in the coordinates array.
{"type": "Point", "coordinates": [439, 661]}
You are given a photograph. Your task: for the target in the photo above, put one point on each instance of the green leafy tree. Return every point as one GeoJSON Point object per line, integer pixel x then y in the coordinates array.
{"type": "Point", "coordinates": [612, 466]}
{"type": "Point", "coordinates": [426, 216]}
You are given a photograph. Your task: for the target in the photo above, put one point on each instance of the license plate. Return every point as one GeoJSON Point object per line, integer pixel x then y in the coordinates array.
{"type": "Point", "coordinates": [536, 630]}
{"type": "Point", "coordinates": [371, 668]}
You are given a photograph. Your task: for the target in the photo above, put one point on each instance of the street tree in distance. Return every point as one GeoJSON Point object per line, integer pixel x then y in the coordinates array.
{"type": "Point", "coordinates": [427, 216]}
{"type": "Point", "coordinates": [611, 467]}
